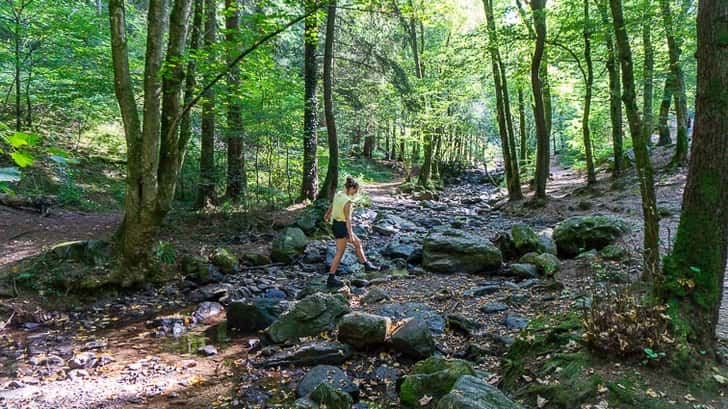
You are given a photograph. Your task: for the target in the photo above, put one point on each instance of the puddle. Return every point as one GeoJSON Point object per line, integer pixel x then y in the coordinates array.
{"type": "Point", "coordinates": [188, 343]}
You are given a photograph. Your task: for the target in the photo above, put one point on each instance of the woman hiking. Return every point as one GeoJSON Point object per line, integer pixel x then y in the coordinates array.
{"type": "Point", "coordinates": [340, 212]}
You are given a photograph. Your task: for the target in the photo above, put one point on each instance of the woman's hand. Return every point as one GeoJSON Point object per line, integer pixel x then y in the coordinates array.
{"type": "Point", "coordinates": [353, 239]}
{"type": "Point", "coordinates": [327, 217]}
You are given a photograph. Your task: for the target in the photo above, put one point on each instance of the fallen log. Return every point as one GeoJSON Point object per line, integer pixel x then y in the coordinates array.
{"type": "Point", "coordinates": [40, 204]}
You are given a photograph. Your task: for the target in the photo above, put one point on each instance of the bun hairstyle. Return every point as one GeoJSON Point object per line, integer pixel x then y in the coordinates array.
{"type": "Point", "coordinates": [351, 183]}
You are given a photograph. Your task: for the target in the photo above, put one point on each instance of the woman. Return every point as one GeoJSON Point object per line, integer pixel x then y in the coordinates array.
{"type": "Point", "coordinates": [340, 211]}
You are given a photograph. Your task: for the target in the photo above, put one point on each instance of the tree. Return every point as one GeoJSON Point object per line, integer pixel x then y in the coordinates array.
{"type": "Point", "coordinates": [639, 139]}
{"type": "Point", "coordinates": [236, 177]}
{"type": "Point", "coordinates": [332, 173]}
{"type": "Point", "coordinates": [663, 128]}
{"type": "Point", "coordinates": [18, 11]}
{"type": "Point", "coordinates": [648, 70]}
{"type": "Point", "coordinates": [309, 185]}
{"type": "Point", "coordinates": [695, 269]}
{"type": "Point", "coordinates": [588, 81]}
{"type": "Point", "coordinates": [522, 126]}
{"type": "Point", "coordinates": [542, 132]}
{"type": "Point", "coordinates": [206, 188]}
{"type": "Point", "coordinates": [153, 151]}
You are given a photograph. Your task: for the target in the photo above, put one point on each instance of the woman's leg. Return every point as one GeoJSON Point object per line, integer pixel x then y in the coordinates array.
{"type": "Point", "coordinates": [340, 250]}
{"type": "Point", "coordinates": [359, 249]}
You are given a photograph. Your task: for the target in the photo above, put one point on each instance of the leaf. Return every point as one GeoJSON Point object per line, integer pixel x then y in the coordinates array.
{"type": "Point", "coordinates": [9, 174]}
{"type": "Point", "coordinates": [22, 159]}
{"type": "Point", "coordinates": [541, 401]}
{"type": "Point", "coordinates": [424, 400]}
{"type": "Point", "coordinates": [695, 269]}
{"type": "Point", "coordinates": [19, 139]}
{"type": "Point", "coordinates": [720, 379]}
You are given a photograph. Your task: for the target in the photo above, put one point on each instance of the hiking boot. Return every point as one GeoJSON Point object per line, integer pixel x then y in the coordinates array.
{"type": "Point", "coordinates": [333, 282]}
{"type": "Point", "coordinates": [368, 266]}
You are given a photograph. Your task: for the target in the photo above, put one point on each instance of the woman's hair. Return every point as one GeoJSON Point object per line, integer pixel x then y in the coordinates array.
{"type": "Point", "coordinates": [351, 183]}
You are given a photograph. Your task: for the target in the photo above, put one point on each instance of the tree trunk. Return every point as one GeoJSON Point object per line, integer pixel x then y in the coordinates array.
{"type": "Point", "coordinates": [647, 72]}
{"type": "Point", "coordinates": [589, 80]}
{"type": "Point", "coordinates": [332, 173]}
{"type": "Point", "coordinates": [236, 180]}
{"type": "Point", "coordinates": [681, 108]}
{"type": "Point", "coordinates": [539, 113]}
{"type": "Point", "coordinates": [18, 109]}
{"type": "Point", "coordinates": [190, 79]}
{"type": "Point", "coordinates": [696, 267]}
{"type": "Point", "coordinates": [522, 125]}
{"type": "Point", "coordinates": [615, 93]}
{"type": "Point", "coordinates": [309, 186]}
{"type": "Point", "coordinates": [206, 188]}
{"type": "Point", "coordinates": [644, 166]}
{"type": "Point", "coordinates": [662, 126]}
{"type": "Point", "coordinates": [510, 160]}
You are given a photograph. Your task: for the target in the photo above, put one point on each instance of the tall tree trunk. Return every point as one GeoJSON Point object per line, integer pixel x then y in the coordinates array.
{"type": "Point", "coordinates": [615, 91]}
{"type": "Point", "coordinates": [539, 113]}
{"type": "Point", "coordinates": [662, 125]}
{"type": "Point", "coordinates": [510, 160]}
{"type": "Point", "coordinates": [206, 188]}
{"type": "Point", "coordinates": [681, 107]}
{"type": "Point", "coordinates": [236, 180]}
{"type": "Point", "coordinates": [695, 269]}
{"type": "Point", "coordinates": [309, 186]}
{"type": "Point", "coordinates": [648, 70]}
{"type": "Point", "coordinates": [332, 173]}
{"type": "Point", "coordinates": [190, 79]}
{"type": "Point", "coordinates": [589, 80]}
{"type": "Point", "coordinates": [522, 125]}
{"type": "Point", "coordinates": [18, 109]}
{"type": "Point", "coordinates": [644, 166]}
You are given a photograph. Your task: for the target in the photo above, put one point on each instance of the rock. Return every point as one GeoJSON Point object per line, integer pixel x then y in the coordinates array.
{"type": "Point", "coordinates": [389, 224]}
{"type": "Point", "coordinates": [361, 330]}
{"type": "Point", "coordinates": [207, 311]}
{"type": "Point", "coordinates": [333, 376]}
{"type": "Point", "coordinates": [398, 312]}
{"type": "Point", "coordinates": [524, 238]}
{"type": "Point", "coordinates": [463, 324]}
{"type": "Point", "coordinates": [291, 242]}
{"type": "Point", "coordinates": [91, 252]}
{"type": "Point", "coordinates": [547, 263]}
{"type": "Point", "coordinates": [470, 392]}
{"type": "Point", "coordinates": [256, 258]}
{"type": "Point", "coordinates": [482, 290]}
{"type": "Point", "coordinates": [546, 245]}
{"type": "Point", "coordinates": [504, 242]}
{"type": "Point", "coordinates": [83, 360]}
{"type": "Point", "coordinates": [493, 307]}
{"type": "Point", "coordinates": [433, 377]}
{"type": "Point", "coordinates": [449, 251]}
{"type": "Point", "coordinates": [349, 262]}
{"type": "Point", "coordinates": [375, 295]}
{"type": "Point", "coordinates": [524, 270]}
{"type": "Point", "coordinates": [211, 292]}
{"type": "Point", "coordinates": [310, 316]}
{"type": "Point", "coordinates": [312, 353]}
{"type": "Point", "coordinates": [331, 398]}
{"type": "Point", "coordinates": [193, 266]}
{"type": "Point", "coordinates": [580, 233]}
{"type": "Point", "coordinates": [311, 218]}
{"type": "Point", "coordinates": [223, 259]}
{"type": "Point", "coordinates": [413, 337]}
{"type": "Point", "coordinates": [613, 252]}
{"type": "Point", "coordinates": [207, 350]}
{"type": "Point", "coordinates": [513, 321]}
{"type": "Point", "coordinates": [400, 249]}
{"type": "Point", "coordinates": [254, 315]}
{"type": "Point", "coordinates": [589, 255]}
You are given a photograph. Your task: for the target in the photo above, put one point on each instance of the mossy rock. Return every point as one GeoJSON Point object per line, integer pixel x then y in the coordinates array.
{"type": "Point", "coordinates": [547, 263]}
{"type": "Point", "coordinates": [330, 398]}
{"type": "Point", "coordinates": [311, 218]}
{"type": "Point", "coordinates": [433, 377]}
{"type": "Point", "coordinates": [90, 252]}
{"type": "Point", "coordinates": [291, 242]}
{"type": "Point", "coordinates": [614, 252]}
{"type": "Point", "coordinates": [524, 238]}
{"type": "Point", "coordinates": [580, 233]}
{"type": "Point", "coordinates": [223, 259]}
{"type": "Point", "coordinates": [256, 258]}
{"type": "Point", "coordinates": [470, 392]}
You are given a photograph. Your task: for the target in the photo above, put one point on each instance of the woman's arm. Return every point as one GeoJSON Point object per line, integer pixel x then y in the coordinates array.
{"type": "Point", "coordinates": [327, 216]}
{"type": "Point", "coordinates": [347, 212]}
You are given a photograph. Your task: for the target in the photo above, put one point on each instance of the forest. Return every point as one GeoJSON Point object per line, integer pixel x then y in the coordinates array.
{"type": "Point", "coordinates": [456, 204]}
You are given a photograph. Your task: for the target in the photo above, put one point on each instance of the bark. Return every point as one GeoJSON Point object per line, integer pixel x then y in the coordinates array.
{"type": "Point", "coordinates": [589, 80]}
{"type": "Point", "coordinates": [502, 111]}
{"type": "Point", "coordinates": [332, 173]}
{"type": "Point", "coordinates": [190, 80]}
{"type": "Point", "coordinates": [206, 188]}
{"type": "Point", "coordinates": [662, 125]}
{"type": "Point", "coordinates": [644, 166]}
{"type": "Point", "coordinates": [18, 109]}
{"type": "Point", "coordinates": [309, 186]}
{"type": "Point", "coordinates": [236, 180]}
{"type": "Point", "coordinates": [522, 126]}
{"type": "Point", "coordinates": [539, 113]}
{"type": "Point", "coordinates": [648, 70]}
{"type": "Point", "coordinates": [681, 108]}
{"type": "Point", "coordinates": [695, 269]}
{"type": "Point", "coordinates": [615, 92]}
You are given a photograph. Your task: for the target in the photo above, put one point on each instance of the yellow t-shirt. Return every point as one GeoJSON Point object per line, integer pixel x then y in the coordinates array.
{"type": "Point", "coordinates": [337, 206]}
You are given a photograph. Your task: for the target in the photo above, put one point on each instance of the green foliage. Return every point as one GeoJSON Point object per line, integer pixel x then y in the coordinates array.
{"type": "Point", "coordinates": [165, 252]}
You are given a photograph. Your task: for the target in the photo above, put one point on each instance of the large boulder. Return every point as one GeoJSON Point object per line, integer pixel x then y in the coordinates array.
{"type": "Point", "coordinates": [546, 245]}
{"type": "Point", "coordinates": [412, 337]}
{"type": "Point", "coordinates": [254, 315]}
{"type": "Point", "coordinates": [331, 398]}
{"type": "Point", "coordinates": [349, 262]}
{"type": "Point", "coordinates": [312, 353]}
{"type": "Point", "coordinates": [547, 263]}
{"type": "Point", "coordinates": [450, 251]}
{"type": "Point", "coordinates": [470, 392]}
{"type": "Point", "coordinates": [433, 377]}
{"type": "Point", "coordinates": [310, 316]}
{"type": "Point", "coordinates": [311, 218]}
{"type": "Point", "coordinates": [580, 233]}
{"type": "Point", "coordinates": [331, 375]}
{"type": "Point", "coordinates": [435, 322]}
{"type": "Point", "coordinates": [291, 242]}
{"type": "Point", "coordinates": [361, 330]}
{"type": "Point", "coordinates": [524, 238]}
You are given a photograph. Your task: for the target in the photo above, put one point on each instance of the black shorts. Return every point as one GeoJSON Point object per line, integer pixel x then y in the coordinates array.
{"type": "Point", "coordinates": [339, 229]}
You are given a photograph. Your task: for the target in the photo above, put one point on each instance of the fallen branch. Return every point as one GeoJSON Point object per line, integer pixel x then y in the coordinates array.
{"type": "Point", "coordinates": [4, 324]}
{"type": "Point", "coordinates": [40, 204]}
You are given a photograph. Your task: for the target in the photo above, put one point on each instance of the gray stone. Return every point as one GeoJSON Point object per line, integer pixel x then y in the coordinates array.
{"type": "Point", "coordinates": [513, 321]}
{"type": "Point", "coordinates": [470, 392]}
{"type": "Point", "coordinates": [613, 252]}
{"type": "Point", "coordinates": [412, 337]}
{"type": "Point", "coordinates": [450, 251]}
{"type": "Point", "coordinates": [362, 330]}
{"type": "Point", "coordinates": [332, 375]}
{"type": "Point", "coordinates": [331, 398]}
{"type": "Point", "coordinates": [312, 315]}
{"type": "Point", "coordinates": [463, 324]}
{"type": "Point", "coordinates": [493, 307]}
{"type": "Point", "coordinates": [207, 350]}
{"type": "Point", "coordinates": [524, 238]}
{"type": "Point", "coordinates": [581, 233]}
{"type": "Point", "coordinates": [349, 262]}
{"type": "Point", "coordinates": [375, 295]}
{"type": "Point", "coordinates": [546, 245]}
{"type": "Point", "coordinates": [254, 315]}
{"type": "Point", "coordinates": [547, 263]}
{"type": "Point", "coordinates": [398, 312]}
{"type": "Point", "coordinates": [433, 377]}
{"type": "Point", "coordinates": [524, 270]}
{"type": "Point", "coordinates": [482, 290]}
{"type": "Point", "coordinates": [291, 242]}
{"type": "Point", "coordinates": [312, 353]}
{"type": "Point", "coordinates": [207, 311]}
